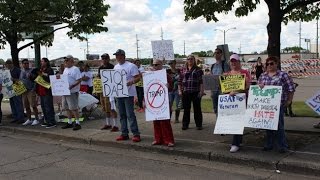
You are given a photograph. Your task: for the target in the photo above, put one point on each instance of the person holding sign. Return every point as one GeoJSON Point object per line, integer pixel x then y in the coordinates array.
{"type": "Point", "coordinates": [174, 95]}
{"type": "Point", "coordinates": [126, 104]}
{"type": "Point", "coordinates": [235, 66]}
{"type": "Point", "coordinates": [191, 89]}
{"type": "Point", "coordinates": [274, 76]}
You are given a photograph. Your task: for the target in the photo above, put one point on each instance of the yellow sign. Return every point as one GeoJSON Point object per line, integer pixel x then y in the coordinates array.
{"type": "Point", "coordinates": [19, 88]}
{"type": "Point", "coordinates": [42, 82]}
{"type": "Point", "coordinates": [232, 83]}
{"type": "Point", "coordinates": [97, 85]}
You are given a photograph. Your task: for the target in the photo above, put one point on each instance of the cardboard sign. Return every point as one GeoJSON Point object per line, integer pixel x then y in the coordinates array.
{"type": "Point", "coordinates": [59, 87]}
{"type": "Point", "coordinates": [211, 82]}
{"type": "Point", "coordinates": [7, 89]}
{"type": "Point", "coordinates": [230, 83]}
{"type": "Point", "coordinates": [156, 95]}
{"type": "Point", "coordinates": [231, 114]}
{"type": "Point", "coordinates": [97, 85]}
{"type": "Point", "coordinates": [114, 82]}
{"type": "Point", "coordinates": [19, 88]}
{"type": "Point", "coordinates": [263, 107]}
{"type": "Point", "coordinates": [162, 50]}
{"type": "Point", "coordinates": [314, 102]}
{"type": "Point", "coordinates": [39, 80]}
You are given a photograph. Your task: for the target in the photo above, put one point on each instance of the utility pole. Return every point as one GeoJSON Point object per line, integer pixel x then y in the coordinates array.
{"type": "Point", "coordinates": [299, 40]}
{"type": "Point", "coordinates": [184, 48]}
{"type": "Point", "coordinates": [317, 38]}
{"type": "Point", "coordinates": [240, 49]}
{"type": "Point", "coordinates": [87, 46]}
{"type": "Point", "coordinates": [137, 43]}
{"type": "Point", "coordinates": [161, 34]}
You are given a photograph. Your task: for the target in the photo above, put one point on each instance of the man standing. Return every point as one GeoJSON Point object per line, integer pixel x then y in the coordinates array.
{"type": "Point", "coordinates": [126, 104]}
{"type": "Point", "coordinates": [29, 97]}
{"type": "Point", "coordinates": [70, 102]}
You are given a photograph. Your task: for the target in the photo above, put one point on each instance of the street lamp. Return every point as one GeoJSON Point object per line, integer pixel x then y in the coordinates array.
{"type": "Point", "coordinates": [224, 33]}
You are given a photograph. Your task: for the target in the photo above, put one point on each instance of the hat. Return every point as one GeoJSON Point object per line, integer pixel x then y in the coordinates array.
{"type": "Point", "coordinates": [235, 57]}
{"type": "Point", "coordinates": [119, 52]}
{"type": "Point", "coordinates": [68, 57]}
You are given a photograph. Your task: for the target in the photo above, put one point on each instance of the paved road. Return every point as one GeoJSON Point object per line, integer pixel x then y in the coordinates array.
{"type": "Point", "coordinates": [37, 158]}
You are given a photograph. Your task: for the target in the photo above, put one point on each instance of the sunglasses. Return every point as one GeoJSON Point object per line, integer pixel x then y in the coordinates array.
{"type": "Point", "coordinates": [155, 65]}
{"type": "Point", "coordinates": [271, 64]}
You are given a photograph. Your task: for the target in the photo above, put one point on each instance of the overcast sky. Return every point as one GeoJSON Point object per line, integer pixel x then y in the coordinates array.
{"type": "Point", "coordinates": [146, 18]}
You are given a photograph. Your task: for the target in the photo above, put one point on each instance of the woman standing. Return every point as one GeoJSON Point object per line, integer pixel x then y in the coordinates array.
{"type": "Point", "coordinates": [259, 68]}
{"type": "Point", "coordinates": [174, 95]}
{"type": "Point", "coordinates": [275, 77]}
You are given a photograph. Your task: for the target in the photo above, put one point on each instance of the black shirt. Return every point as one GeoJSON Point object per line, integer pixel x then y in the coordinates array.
{"type": "Point", "coordinates": [108, 66]}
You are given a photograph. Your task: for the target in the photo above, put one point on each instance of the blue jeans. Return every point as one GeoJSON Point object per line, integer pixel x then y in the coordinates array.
{"type": "Point", "coordinates": [1, 97]}
{"type": "Point", "coordinates": [215, 99]}
{"type": "Point", "coordinates": [174, 96]}
{"type": "Point", "coordinates": [279, 135]}
{"type": "Point", "coordinates": [17, 108]}
{"type": "Point", "coordinates": [48, 109]}
{"type": "Point", "coordinates": [126, 111]}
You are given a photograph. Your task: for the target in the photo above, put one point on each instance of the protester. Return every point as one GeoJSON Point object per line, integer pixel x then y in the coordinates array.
{"type": "Point", "coordinates": [235, 66]}
{"type": "Point", "coordinates": [104, 101]}
{"type": "Point", "coordinates": [207, 72]}
{"type": "Point", "coordinates": [276, 77]}
{"type": "Point", "coordinates": [86, 82]}
{"type": "Point", "coordinates": [126, 104]}
{"type": "Point", "coordinates": [139, 86]}
{"type": "Point", "coordinates": [58, 99]}
{"type": "Point", "coordinates": [29, 97]}
{"type": "Point", "coordinates": [114, 115]}
{"type": "Point", "coordinates": [70, 102]}
{"type": "Point", "coordinates": [174, 73]}
{"type": "Point", "coordinates": [45, 94]}
{"type": "Point", "coordinates": [15, 101]}
{"type": "Point", "coordinates": [259, 68]}
{"type": "Point", "coordinates": [191, 90]}
{"type": "Point", "coordinates": [162, 128]}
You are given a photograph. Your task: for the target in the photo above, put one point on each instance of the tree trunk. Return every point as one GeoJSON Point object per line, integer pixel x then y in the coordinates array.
{"type": "Point", "coordinates": [274, 28]}
{"type": "Point", "coordinates": [14, 53]}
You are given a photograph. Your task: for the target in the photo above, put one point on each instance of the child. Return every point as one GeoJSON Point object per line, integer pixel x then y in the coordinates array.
{"type": "Point", "coordinates": [113, 115]}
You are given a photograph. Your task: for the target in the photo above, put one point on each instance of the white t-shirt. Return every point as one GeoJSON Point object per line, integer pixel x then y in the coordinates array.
{"type": "Point", "coordinates": [89, 81]}
{"type": "Point", "coordinates": [131, 71]}
{"type": "Point", "coordinates": [73, 74]}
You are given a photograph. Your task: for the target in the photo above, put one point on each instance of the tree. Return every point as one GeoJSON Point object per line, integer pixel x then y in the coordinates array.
{"type": "Point", "coordinates": [36, 16]}
{"type": "Point", "coordinates": [179, 56]}
{"type": "Point", "coordinates": [279, 11]}
{"type": "Point", "coordinates": [294, 49]}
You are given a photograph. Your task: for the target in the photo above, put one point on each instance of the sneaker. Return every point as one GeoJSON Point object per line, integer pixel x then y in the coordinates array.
{"type": "Point", "coordinates": [114, 129]}
{"type": "Point", "coordinates": [28, 122]}
{"type": "Point", "coordinates": [76, 127]}
{"type": "Point", "coordinates": [234, 149]}
{"type": "Point", "coordinates": [67, 126]}
{"type": "Point", "coordinates": [136, 138]}
{"type": "Point", "coordinates": [44, 124]}
{"type": "Point", "coordinates": [122, 138]}
{"type": "Point", "coordinates": [51, 126]}
{"type": "Point", "coordinates": [105, 127]}
{"type": "Point", "coordinates": [35, 122]}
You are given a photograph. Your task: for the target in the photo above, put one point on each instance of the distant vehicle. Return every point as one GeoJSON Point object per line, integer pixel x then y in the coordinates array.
{"type": "Point", "coordinates": [252, 60]}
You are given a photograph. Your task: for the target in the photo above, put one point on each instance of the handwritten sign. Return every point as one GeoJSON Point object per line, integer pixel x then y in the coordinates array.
{"type": "Point", "coordinates": [97, 85]}
{"type": "Point", "coordinates": [231, 111]}
{"type": "Point", "coordinates": [7, 89]}
{"type": "Point", "coordinates": [114, 82]}
{"type": "Point", "coordinates": [263, 107]}
{"type": "Point", "coordinates": [230, 83]}
{"type": "Point", "coordinates": [156, 95]}
{"type": "Point", "coordinates": [314, 102]}
{"type": "Point", "coordinates": [211, 82]}
{"type": "Point", "coordinates": [162, 50]}
{"type": "Point", "coordinates": [39, 80]}
{"type": "Point", "coordinates": [19, 88]}
{"type": "Point", "coordinates": [59, 87]}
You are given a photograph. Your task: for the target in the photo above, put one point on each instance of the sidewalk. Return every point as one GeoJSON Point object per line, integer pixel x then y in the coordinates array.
{"type": "Point", "coordinates": [303, 139]}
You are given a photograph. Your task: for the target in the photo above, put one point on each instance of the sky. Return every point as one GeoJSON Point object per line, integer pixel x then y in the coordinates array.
{"type": "Point", "coordinates": [145, 19]}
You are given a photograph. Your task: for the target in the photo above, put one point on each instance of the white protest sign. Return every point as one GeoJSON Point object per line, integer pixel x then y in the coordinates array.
{"type": "Point", "coordinates": [114, 82]}
{"type": "Point", "coordinates": [59, 87]}
{"type": "Point", "coordinates": [156, 95]}
{"type": "Point", "coordinates": [263, 107]}
{"type": "Point", "coordinates": [7, 88]}
{"type": "Point", "coordinates": [314, 102]}
{"type": "Point", "coordinates": [231, 114]}
{"type": "Point", "coordinates": [162, 50]}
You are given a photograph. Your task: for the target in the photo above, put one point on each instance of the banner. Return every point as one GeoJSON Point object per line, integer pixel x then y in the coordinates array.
{"type": "Point", "coordinates": [59, 87]}
{"type": "Point", "coordinates": [19, 88]}
{"type": "Point", "coordinates": [263, 107]}
{"type": "Point", "coordinates": [231, 114]}
{"type": "Point", "coordinates": [156, 95]}
{"type": "Point", "coordinates": [211, 82]}
{"type": "Point", "coordinates": [314, 102]}
{"type": "Point", "coordinates": [7, 89]}
{"type": "Point", "coordinates": [114, 82]}
{"type": "Point", "coordinates": [39, 80]}
{"type": "Point", "coordinates": [97, 85]}
{"type": "Point", "coordinates": [162, 50]}
{"type": "Point", "coordinates": [230, 83]}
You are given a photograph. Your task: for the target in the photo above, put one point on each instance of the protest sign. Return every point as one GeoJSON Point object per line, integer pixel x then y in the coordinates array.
{"type": "Point", "coordinates": [59, 87]}
{"type": "Point", "coordinates": [7, 89]}
{"type": "Point", "coordinates": [263, 107]}
{"type": "Point", "coordinates": [230, 83]}
{"type": "Point", "coordinates": [39, 80]}
{"type": "Point", "coordinates": [211, 82]}
{"type": "Point", "coordinates": [19, 88]}
{"type": "Point", "coordinates": [162, 50]}
{"type": "Point", "coordinates": [231, 114]}
{"type": "Point", "coordinates": [156, 95]}
{"type": "Point", "coordinates": [97, 85]}
{"type": "Point", "coordinates": [314, 102]}
{"type": "Point", "coordinates": [114, 82]}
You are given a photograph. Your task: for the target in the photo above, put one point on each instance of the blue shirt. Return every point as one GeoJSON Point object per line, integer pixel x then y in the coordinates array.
{"type": "Point", "coordinates": [25, 78]}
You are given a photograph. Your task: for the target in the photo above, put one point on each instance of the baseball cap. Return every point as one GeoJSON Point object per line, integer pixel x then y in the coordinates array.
{"type": "Point", "coordinates": [235, 57]}
{"type": "Point", "coordinates": [119, 52]}
{"type": "Point", "coordinates": [68, 57]}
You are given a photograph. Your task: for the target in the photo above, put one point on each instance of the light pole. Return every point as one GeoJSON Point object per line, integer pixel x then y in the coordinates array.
{"type": "Point", "coordinates": [224, 33]}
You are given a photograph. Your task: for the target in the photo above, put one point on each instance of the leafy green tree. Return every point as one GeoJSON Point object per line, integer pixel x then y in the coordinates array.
{"type": "Point", "coordinates": [200, 54]}
{"type": "Point", "coordinates": [179, 56]}
{"type": "Point", "coordinates": [294, 49]}
{"type": "Point", "coordinates": [1, 61]}
{"type": "Point", "coordinates": [279, 11]}
{"type": "Point", "coordinates": [36, 16]}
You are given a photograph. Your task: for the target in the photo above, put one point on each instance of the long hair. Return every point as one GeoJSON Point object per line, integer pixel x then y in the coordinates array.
{"type": "Point", "coordinates": [47, 62]}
